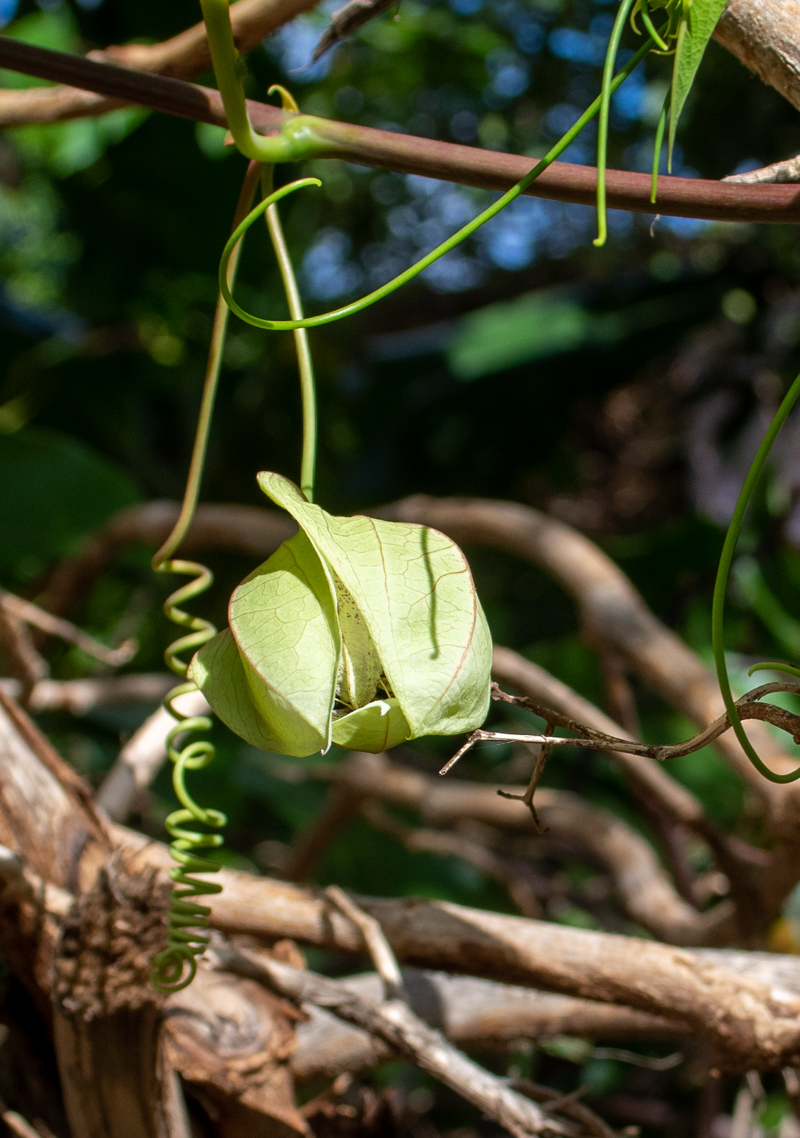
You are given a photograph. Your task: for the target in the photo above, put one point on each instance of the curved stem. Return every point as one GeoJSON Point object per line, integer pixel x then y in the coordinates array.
{"type": "Point", "coordinates": [307, 391]}
{"type": "Point", "coordinates": [605, 107]}
{"type": "Point", "coordinates": [429, 258]}
{"type": "Point", "coordinates": [721, 585]}
{"type": "Point", "coordinates": [658, 144]}
{"type": "Point", "coordinates": [221, 315]}
{"type": "Point", "coordinates": [296, 139]}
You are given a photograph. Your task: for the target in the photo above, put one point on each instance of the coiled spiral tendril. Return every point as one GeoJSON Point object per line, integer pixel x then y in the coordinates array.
{"type": "Point", "coordinates": [175, 966]}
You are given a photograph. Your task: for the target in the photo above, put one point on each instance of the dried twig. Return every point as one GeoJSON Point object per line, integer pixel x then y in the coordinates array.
{"type": "Point", "coordinates": [81, 696]}
{"type": "Point", "coordinates": [589, 738]}
{"type": "Point", "coordinates": [785, 171]}
{"type": "Point", "coordinates": [395, 1023]}
{"type": "Point", "coordinates": [19, 651]}
{"type": "Point", "coordinates": [180, 57]}
{"type": "Point", "coordinates": [471, 1013]}
{"type": "Point", "coordinates": [346, 21]}
{"type": "Point", "coordinates": [563, 181]}
{"type": "Point", "coordinates": [142, 757]}
{"type": "Point", "coordinates": [66, 630]}
{"type": "Point", "coordinates": [377, 945]}
{"type": "Point", "coordinates": [644, 888]}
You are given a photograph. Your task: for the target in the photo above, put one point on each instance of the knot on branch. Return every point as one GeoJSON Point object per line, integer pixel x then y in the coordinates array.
{"type": "Point", "coordinates": [102, 959]}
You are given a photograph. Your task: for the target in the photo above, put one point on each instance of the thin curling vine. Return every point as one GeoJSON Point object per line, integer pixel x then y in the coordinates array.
{"type": "Point", "coordinates": [175, 966]}
{"type": "Point", "coordinates": [721, 585]}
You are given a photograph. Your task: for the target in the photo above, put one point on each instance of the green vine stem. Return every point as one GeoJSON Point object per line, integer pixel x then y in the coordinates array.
{"type": "Point", "coordinates": [414, 271]}
{"type": "Point", "coordinates": [175, 966]}
{"type": "Point", "coordinates": [623, 14]}
{"type": "Point", "coordinates": [296, 139]}
{"type": "Point", "coordinates": [304, 362]}
{"type": "Point", "coordinates": [721, 586]}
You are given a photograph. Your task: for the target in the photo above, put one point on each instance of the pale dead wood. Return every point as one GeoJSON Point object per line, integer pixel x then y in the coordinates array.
{"type": "Point", "coordinates": [346, 21]}
{"type": "Point", "coordinates": [79, 926]}
{"type": "Point", "coordinates": [396, 1024]}
{"type": "Point", "coordinates": [747, 1022]}
{"type": "Point", "coordinates": [471, 1013]}
{"type": "Point", "coordinates": [645, 889]}
{"type": "Point", "coordinates": [763, 35]}
{"type": "Point", "coordinates": [376, 944]}
{"type": "Point", "coordinates": [142, 757]}
{"type": "Point", "coordinates": [20, 654]}
{"type": "Point", "coordinates": [180, 57]}
{"type": "Point", "coordinates": [77, 697]}
{"type": "Point", "coordinates": [17, 1124]}
{"type": "Point", "coordinates": [232, 1042]}
{"type": "Point", "coordinates": [22, 610]}
{"type": "Point", "coordinates": [786, 171]}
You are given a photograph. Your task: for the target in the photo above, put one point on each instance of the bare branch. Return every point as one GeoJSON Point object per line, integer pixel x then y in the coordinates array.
{"type": "Point", "coordinates": [747, 706]}
{"type": "Point", "coordinates": [346, 21]}
{"type": "Point", "coordinates": [471, 1013]}
{"type": "Point", "coordinates": [81, 696]}
{"type": "Point", "coordinates": [645, 889]}
{"type": "Point", "coordinates": [21, 657]}
{"type": "Point", "coordinates": [142, 757]}
{"type": "Point", "coordinates": [180, 57]}
{"type": "Point", "coordinates": [763, 35]}
{"type": "Point", "coordinates": [383, 959]}
{"type": "Point", "coordinates": [781, 172]}
{"type": "Point", "coordinates": [397, 1025]}
{"type": "Point", "coordinates": [563, 181]}
{"type": "Point", "coordinates": [65, 630]}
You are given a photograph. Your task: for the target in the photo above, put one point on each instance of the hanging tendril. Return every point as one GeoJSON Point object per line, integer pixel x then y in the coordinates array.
{"type": "Point", "coordinates": [175, 967]}
{"type": "Point", "coordinates": [721, 586]}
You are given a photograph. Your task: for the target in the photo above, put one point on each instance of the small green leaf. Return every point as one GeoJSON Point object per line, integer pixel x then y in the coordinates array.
{"type": "Point", "coordinates": [414, 589]}
{"type": "Point", "coordinates": [374, 728]}
{"type": "Point", "coordinates": [694, 32]}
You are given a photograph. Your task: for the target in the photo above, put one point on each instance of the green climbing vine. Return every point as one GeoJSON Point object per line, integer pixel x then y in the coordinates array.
{"type": "Point", "coordinates": [362, 633]}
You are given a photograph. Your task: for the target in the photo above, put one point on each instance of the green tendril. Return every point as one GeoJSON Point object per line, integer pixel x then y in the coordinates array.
{"type": "Point", "coordinates": [623, 14]}
{"type": "Point", "coordinates": [658, 145]}
{"type": "Point", "coordinates": [174, 968]}
{"type": "Point", "coordinates": [643, 7]}
{"type": "Point", "coordinates": [305, 366]}
{"type": "Point", "coordinates": [414, 271]}
{"type": "Point", "coordinates": [721, 586]}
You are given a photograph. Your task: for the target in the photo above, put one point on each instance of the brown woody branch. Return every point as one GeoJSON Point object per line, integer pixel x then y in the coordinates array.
{"type": "Point", "coordinates": [180, 57]}
{"type": "Point", "coordinates": [46, 817]}
{"type": "Point", "coordinates": [748, 707]}
{"type": "Point", "coordinates": [749, 1023]}
{"type": "Point", "coordinates": [684, 197]}
{"type": "Point", "coordinates": [471, 1013]}
{"type": "Point", "coordinates": [645, 889]}
{"type": "Point", "coordinates": [393, 1022]}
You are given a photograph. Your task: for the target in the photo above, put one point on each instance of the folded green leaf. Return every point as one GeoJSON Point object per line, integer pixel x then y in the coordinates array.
{"type": "Point", "coordinates": [695, 29]}
{"type": "Point", "coordinates": [357, 631]}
